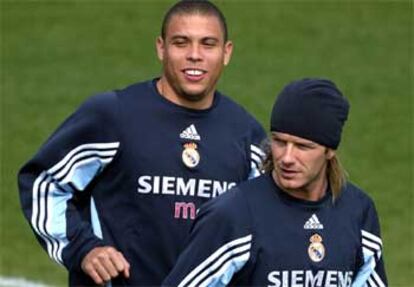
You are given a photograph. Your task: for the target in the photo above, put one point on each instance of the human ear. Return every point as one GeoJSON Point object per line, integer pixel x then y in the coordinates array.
{"type": "Point", "coordinates": [160, 48]}
{"type": "Point", "coordinates": [228, 50]}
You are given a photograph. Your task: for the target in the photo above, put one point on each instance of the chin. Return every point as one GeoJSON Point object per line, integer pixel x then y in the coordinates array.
{"type": "Point", "coordinates": [193, 96]}
{"type": "Point", "coordinates": [289, 184]}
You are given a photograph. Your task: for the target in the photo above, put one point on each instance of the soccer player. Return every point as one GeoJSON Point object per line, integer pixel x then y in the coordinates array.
{"type": "Point", "coordinates": [112, 193]}
{"type": "Point", "coordinates": [299, 224]}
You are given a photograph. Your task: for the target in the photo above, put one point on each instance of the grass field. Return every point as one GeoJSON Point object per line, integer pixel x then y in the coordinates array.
{"type": "Point", "coordinates": [54, 54]}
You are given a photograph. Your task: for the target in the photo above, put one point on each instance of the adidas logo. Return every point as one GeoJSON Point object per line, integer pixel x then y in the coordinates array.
{"type": "Point", "coordinates": [313, 223]}
{"type": "Point", "coordinates": [190, 133]}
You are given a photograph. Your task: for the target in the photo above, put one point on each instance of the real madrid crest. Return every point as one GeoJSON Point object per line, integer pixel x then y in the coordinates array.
{"type": "Point", "coordinates": [190, 155]}
{"type": "Point", "coordinates": [316, 249]}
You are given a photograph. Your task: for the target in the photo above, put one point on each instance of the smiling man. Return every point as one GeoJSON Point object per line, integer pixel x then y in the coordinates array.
{"type": "Point", "coordinates": [300, 224]}
{"type": "Point", "coordinates": [193, 49]}
{"type": "Point", "coordinates": [113, 192]}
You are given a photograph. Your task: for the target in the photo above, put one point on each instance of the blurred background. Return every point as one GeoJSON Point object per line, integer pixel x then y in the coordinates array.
{"type": "Point", "coordinates": [55, 54]}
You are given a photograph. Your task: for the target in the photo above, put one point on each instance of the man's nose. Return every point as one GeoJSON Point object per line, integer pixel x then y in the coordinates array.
{"type": "Point", "coordinates": [288, 155]}
{"type": "Point", "coordinates": [194, 53]}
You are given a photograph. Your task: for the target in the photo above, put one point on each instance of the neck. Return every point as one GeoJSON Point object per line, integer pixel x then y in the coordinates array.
{"type": "Point", "coordinates": [312, 191]}
{"type": "Point", "coordinates": [166, 91]}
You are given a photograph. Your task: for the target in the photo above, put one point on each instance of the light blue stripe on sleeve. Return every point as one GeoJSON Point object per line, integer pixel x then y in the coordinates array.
{"type": "Point", "coordinates": [366, 270]}
{"type": "Point", "coordinates": [254, 171]}
{"type": "Point", "coordinates": [96, 225]}
{"type": "Point", "coordinates": [219, 267]}
{"type": "Point", "coordinates": [53, 189]}
{"type": "Point", "coordinates": [225, 274]}
{"type": "Point", "coordinates": [79, 176]}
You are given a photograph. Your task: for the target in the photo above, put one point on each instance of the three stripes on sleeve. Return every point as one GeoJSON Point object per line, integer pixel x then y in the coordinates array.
{"type": "Point", "coordinates": [54, 187]}
{"type": "Point", "coordinates": [219, 267]}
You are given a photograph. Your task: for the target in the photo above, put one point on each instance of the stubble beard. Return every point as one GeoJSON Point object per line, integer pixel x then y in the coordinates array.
{"type": "Point", "coordinates": [181, 92]}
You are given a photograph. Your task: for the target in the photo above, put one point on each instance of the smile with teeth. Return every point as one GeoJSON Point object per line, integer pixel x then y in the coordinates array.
{"type": "Point", "coordinates": [194, 72]}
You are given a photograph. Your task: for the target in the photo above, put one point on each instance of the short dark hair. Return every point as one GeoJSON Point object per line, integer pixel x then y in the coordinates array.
{"type": "Point", "coordinates": [202, 7]}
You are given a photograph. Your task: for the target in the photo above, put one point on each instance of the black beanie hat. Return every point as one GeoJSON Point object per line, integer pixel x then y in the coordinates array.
{"type": "Point", "coordinates": [313, 109]}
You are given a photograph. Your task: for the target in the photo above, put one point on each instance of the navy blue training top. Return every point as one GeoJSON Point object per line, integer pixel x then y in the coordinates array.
{"type": "Point", "coordinates": [130, 169]}
{"type": "Point", "coordinates": [258, 235]}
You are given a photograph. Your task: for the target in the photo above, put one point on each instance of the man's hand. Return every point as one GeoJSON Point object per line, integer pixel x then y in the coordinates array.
{"type": "Point", "coordinates": [104, 263]}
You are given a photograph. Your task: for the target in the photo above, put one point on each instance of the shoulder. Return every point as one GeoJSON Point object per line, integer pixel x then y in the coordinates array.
{"type": "Point", "coordinates": [236, 109]}
{"type": "Point", "coordinates": [109, 102]}
{"type": "Point", "coordinates": [101, 101]}
{"type": "Point", "coordinates": [140, 87]}
{"type": "Point", "coordinates": [256, 187]}
{"type": "Point", "coordinates": [356, 201]}
{"type": "Point", "coordinates": [355, 195]}
{"type": "Point", "coordinates": [230, 207]}
{"type": "Point", "coordinates": [102, 108]}
{"type": "Point", "coordinates": [234, 112]}
{"type": "Point", "coordinates": [235, 203]}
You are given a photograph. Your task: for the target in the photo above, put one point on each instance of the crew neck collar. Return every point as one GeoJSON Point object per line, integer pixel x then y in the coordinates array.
{"type": "Point", "coordinates": [299, 202]}
{"type": "Point", "coordinates": [215, 102]}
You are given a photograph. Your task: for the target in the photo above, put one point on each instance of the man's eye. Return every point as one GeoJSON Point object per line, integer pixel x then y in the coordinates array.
{"type": "Point", "coordinates": [279, 142]}
{"type": "Point", "coordinates": [179, 43]}
{"type": "Point", "coordinates": [304, 146]}
{"type": "Point", "coordinates": [210, 43]}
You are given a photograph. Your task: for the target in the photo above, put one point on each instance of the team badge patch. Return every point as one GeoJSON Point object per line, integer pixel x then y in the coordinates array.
{"type": "Point", "coordinates": [316, 249]}
{"type": "Point", "coordinates": [190, 155]}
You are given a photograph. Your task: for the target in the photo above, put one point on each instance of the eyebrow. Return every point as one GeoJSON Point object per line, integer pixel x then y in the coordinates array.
{"type": "Point", "coordinates": [300, 141]}
{"type": "Point", "coordinates": [207, 38]}
{"type": "Point", "coordinates": [175, 37]}
{"type": "Point", "coordinates": [307, 143]}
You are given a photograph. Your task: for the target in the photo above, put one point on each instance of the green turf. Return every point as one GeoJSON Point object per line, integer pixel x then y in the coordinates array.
{"type": "Point", "coordinates": [56, 53]}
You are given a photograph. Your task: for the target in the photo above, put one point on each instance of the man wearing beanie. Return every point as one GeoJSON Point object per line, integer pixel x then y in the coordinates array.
{"type": "Point", "coordinates": [301, 223]}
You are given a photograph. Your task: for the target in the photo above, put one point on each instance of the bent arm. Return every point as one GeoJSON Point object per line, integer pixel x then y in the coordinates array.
{"type": "Point", "coordinates": [53, 185]}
